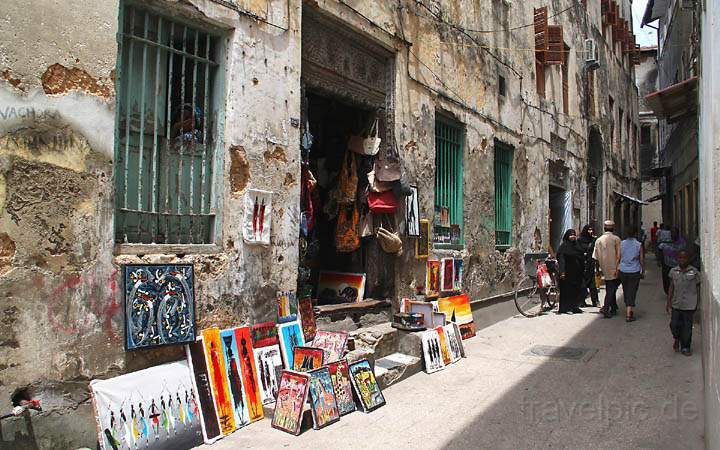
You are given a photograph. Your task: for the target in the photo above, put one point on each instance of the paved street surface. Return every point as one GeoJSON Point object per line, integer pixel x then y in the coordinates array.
{"type": "Point", "coordinates": [628, 391]}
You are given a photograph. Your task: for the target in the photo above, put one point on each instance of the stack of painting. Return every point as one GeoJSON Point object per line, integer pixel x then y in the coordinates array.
{"type": "Point", "coordinates": [442, 346]}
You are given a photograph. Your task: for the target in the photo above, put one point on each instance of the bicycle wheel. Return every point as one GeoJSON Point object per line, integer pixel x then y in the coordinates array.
{"type": "Point", "coordinates": [552, 297]}
{"type": "Point", "coordinates": [527, 298]}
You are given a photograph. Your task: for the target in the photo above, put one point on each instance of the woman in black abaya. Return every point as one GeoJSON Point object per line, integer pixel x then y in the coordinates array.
{"type": "Point", "coordinates": [571, 268]}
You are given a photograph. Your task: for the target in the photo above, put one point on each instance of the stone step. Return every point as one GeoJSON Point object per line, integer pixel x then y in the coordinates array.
{"type": "Point", "coordinates": [379, 340]}
{"type": "Point", "coordinates": [396, 367]}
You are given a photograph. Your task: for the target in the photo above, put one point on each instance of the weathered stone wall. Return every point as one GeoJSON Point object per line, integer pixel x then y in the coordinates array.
{"type": "Point", "coordinates": [60, 280]}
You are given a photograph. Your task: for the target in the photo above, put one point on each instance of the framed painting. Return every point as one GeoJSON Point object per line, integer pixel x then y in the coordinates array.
{"type": "Point", "coordinates": [458, 337]}
{"type": "Point", "coordinates": [452, 340]}
{"type": "Point", "coordinates": [292, 394]}
{"type": "Point", "coordinates": [217, 371]}
{"type": "Point", "coordinates": [438, 319]}
{"type": "Point", "coordinates": [233, 366]}
{"type": "Point", "coordinates": [323, 403]}
{"type": "Point", "coordinates": [432, 283]}
{"type": "Point", "coordinates": [287, 306]}
{"type": "Point", "coordinates": [412, 213]}
{"type": "Point", "coordinates": [340, 375]}
{"type": "Point", "coordinates": [366, 386]}
{"type": "Point", "coordinates": [307, 318]}
{"type": "Point", "coordinates": [258, 217]}
{"type": "Point", "coordinates": [306, 359]}
{"type": "Point", "coordinates": [290, 336]}
{"type": "Point", "coordinates": [447, 274]}
{"type": "Point", "coordinates": [332, 343]}
{"type": "Point", "coordinates": [249, 373]}
{"type": "Point", "coordinates": [267, 362]}
{"type": "Point", "coordinates": [159, 305]}
{"type": "Point", "coordinates": [209, 423]}
{"type": "Point", "coordinates": [153, 408]}
{"type": "Point", "coordinates": [444, 350]}
{"type": "Point", "coordinates": [426, 309]}
{"type": "Point", "coordinates": [348, 287]}
{"type": "Point", "coordinates": [263, 334]}
{"type": "Point", "coordinates": [458, 273]}
{"type": "Point", "coordinates": [431, 351]}
{"type": "Point", "coordinates": [457, 309]}
{"type": "Point", "coordinates": [422, 244]}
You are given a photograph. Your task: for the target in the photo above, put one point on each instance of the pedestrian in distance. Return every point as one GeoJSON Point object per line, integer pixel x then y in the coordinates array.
{"type": "Point", "coordinates": [653, 236]}
{"type": "Point", "coordinates": [670, 251]}
{"type": "Point", "coordinates": [664, 236]}
{"type": "Point", "coordinates": [631, 269]}
{"type": "Point", "coordinates": [570, 266]}
{"type": "Point", "coordinates": [607, 255]}
{"type": "Point", "coordinates": [682, 302]}
{"type": "Point", "coordinates": [586, 241]}
{"type": "Point", "coordinates": [642, 235]}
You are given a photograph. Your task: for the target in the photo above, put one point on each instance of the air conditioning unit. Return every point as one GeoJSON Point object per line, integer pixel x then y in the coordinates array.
{"type": "Point", "coordinates": [591, 55]}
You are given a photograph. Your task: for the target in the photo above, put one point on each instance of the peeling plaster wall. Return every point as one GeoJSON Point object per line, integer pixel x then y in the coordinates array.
{"type": "Point", "coordinates": [60, 281]}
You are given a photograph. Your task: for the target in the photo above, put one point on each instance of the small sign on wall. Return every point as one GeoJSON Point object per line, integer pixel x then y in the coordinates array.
{"type": "Point", "coordinates": [258, 217]}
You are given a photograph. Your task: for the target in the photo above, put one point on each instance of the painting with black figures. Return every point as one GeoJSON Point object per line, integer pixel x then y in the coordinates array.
{"type": "Point", "coordinates": [432, 352]}
{"type": "Point", "coordinates": [412, 211]}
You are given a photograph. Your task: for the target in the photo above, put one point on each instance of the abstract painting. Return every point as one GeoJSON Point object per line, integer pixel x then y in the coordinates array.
{"type": "Point", "coordinates": [154, 408]}
{"type": "Point", "coordinates": [290, 336]}
{"type": "Point", "coordinates": [264, 334]}
{"type": "Point", "coordinates": [307, 318]}
{"type": "Point", "coordinates": [426, 309]}
{"type": "Point", "coordinates": [268, 363]}
{"type": "Point", "coordinates": [159, 305]}
{"type": "Point", "coordinates": [258, 217]}
{"type": "Point", "coordinates": [291, 398]}
{"type": "Point", "coordinates": [350, 287]}
{"type": "Point", "coordinates": [366, 386]}
{"type": "Point", "coordinates": [432, 283]}
{"type": "Point", "coordinates": [412, 213]}
{"type": "Point", "coordinates": [444, 351]}
{"type": "Point", "coordinates": [233, 367]}
{"type": "Point", "coordinates": [431, 351]}
{"type": "Point", "coordinates": [322, 399]}
{"type": "Point", "coordinates": [218, 379]}
{"type": "Point", "coordinates": [332, 343]}
{"type": "Point", "coordinates": [340, 375]}
{"type": "Point", "coordinates": [249, 373]}
{"type": "Point", "coordinates": [422, 244]}
{"type": "Point", "coordinates": [210, 425]}
{"type": "Point", "coordinates": [453, 342]}
{"type": "Point", "coordinates": [458, 274]}
{"type": "Point", "coordinates": [287, 306]}
{"type": "Point", "coordinates": [457, 309]}
{"type": "Point", "coordinates": [458, 337]}
{"type": "Point", "coordinates": [306, 359]}
{"type": "Point", "coordinates": [447, 274]}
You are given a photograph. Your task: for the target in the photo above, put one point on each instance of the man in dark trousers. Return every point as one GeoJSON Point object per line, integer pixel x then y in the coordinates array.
{"type": "Point", "coordinates": [682, 302]}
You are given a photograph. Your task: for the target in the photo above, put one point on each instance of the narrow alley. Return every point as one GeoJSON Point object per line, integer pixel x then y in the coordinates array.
{"type": "Point", "coordinates": [629, 390]}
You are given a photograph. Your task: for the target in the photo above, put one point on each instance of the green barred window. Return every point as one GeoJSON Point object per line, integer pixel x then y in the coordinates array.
{"type": "Point", "coordinates": [168, 130]}
{"type": "Point", "coordinates": [503, 195]}
{"type": "Point", "coordinates": [448, 222]}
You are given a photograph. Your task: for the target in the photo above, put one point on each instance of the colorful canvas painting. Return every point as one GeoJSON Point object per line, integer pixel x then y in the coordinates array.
{"type": "Point", "coordinates": [268, 362]}
{"type": "Point", "coordinates": [447, 274]}
{"type": "Point", "coordinates": [458, 274]}
{"type": "Point", "coordinates": [366, 386]}
{"type": "Point", "coordinates": [306, 359]}
{"type": "Point", "coordinates": [422, 244]}
{"type": "Point", "coordinates": [348, 286]}
{"type": "Point", "coordinates": [307, 318]}
{"type": "Point", "coordinates": [452, 340]}
{"type": "Point", "coordinates": [431, 351]}
{"type": "Point", "coordinates": [154, 408]}
{"type": "Point", "coordinates": [444, 350]}
{"type": "Point", "coordinates": [159, 305]}
{"type": "Point", "coordinates": [426, 309]}
{"type": "Point", "coordinates": [287, 306]}
{"type": "Point", "coordinates": [340, 375]}
{"type": "Point", "coordinates": [458, 337]}
{"type": "Point", "coordinates": [209, 423]}
{"type": "Point", "coordinates": [457, 309]}
{"type": "Point", "coordinates": [332, 343]}
{"type": "Point", "coordinates": [249, 373]}
{"type": "Point", "coordinates": [291, 398]}
{"type": "Point", "coordinates": [322, 399]}
{"type": "Point", "coordinates": [432, 283]}
{"type": "Point", "coordinates": [264, 334]}
{"type": "Point", "coordinates": [290, 336]}
{"type": "Point", "coordinates": [258, 217]}
{"type": "Point", "coordinates": [233, 367]}
{"type": "Point", "coordinates": [218, 379]}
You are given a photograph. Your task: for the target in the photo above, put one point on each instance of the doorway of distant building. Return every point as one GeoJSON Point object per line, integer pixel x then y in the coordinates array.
{"type": "Point", "coordinates": [596, 212]}
{"type": "Point", "coordinates": [560, 201]}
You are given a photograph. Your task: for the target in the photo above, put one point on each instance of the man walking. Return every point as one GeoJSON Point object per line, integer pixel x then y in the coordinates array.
{"type": "Point", "coordinates": [607, 254]}
{"type": "Point", "coordinates": [670, 251]}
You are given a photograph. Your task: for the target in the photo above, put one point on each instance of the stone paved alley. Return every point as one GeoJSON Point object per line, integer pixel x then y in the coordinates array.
{"type": "Point", "coordinates": [630, 391]}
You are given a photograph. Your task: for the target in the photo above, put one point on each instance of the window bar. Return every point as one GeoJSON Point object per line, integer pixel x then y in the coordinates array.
{"type": "Point", "coordinates": [168, 133]}
{"type": "Point", "coordinates": [128, 107]}
{"type": "Point", "coordinates": [141, 145]}
{"type": "Point", "coordinates": [194, 144]}
{"type": "Point", "coordinates": [158, 54]}
{"type": "Point", "coordinates": [181, 151]}
{"type": "Point", "coordinates": [203, 206]}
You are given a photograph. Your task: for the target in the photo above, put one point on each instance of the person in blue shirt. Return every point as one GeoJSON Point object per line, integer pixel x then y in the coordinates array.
{"type": "Point", "coordinates": [631, 269]}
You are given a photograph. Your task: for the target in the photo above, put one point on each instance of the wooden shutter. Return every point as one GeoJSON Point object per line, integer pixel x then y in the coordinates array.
{"type": "Point", "coordinates": [604, 10]}
{"type": "Point", "coordinates": [565, 89]}
{"type": "Point", "coordinates": [540, 21]}
{"type": "Point", "coordinates": [554, 54]}
{"type": "Point", "coordinates": [591, 92]}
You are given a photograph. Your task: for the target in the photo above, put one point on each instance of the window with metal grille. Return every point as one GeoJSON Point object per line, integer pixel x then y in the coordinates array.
{"type": "Point", "coordinates": [448, 224]}
{"type": "Point", "coordinates": [168, 131]}
{"type": "Point", "coordinates": [503, 194]}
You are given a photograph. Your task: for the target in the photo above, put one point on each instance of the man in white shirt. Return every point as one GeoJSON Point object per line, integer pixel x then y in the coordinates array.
{"type": "Point", "coordinates": [607, 254]}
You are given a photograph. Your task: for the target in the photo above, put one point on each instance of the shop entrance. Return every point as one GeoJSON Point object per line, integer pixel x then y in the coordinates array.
{"type": "Point", "coordinates": [560, 202]}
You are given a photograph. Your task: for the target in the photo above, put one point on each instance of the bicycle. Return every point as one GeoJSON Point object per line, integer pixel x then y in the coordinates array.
{"type": "Point", "coordinates": [531, 298]}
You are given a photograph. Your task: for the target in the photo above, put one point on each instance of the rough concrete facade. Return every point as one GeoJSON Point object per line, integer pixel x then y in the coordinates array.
{"type": "Point", "coordinates": [60, 280]}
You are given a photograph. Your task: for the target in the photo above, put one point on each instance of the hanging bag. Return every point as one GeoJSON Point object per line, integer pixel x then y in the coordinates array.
{"type": "Point", "coordinates": [347, 232]}
{"type": "Point", "coordinates": [387, 165]}
{"type": "Point", "coordinates": [382, 202]}
{"type": "Point", "coordinates": [347, 180]}
{"type": "Point", "coordinates": [389, 240]}
{"type": "Point", "coordinates": [374, 185]}
{"type": "Point", "coordinates": [366, 145]}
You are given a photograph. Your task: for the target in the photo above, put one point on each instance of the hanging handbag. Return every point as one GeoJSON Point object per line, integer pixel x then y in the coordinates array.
{"type": "Point", "coordinates": [374, 185]}
{"type": "Point", "coordinates": [389, 240]}
{"type": "Point", "coordinates": [366, 145]}
{"type": "Point", "coordinates": [347, 232]}
{"type": "Point", "coordinates": [387, 165]}
{"type": "Point", "coordinates": [347, 180]}
{"type": "Point", "coordinates": [382, 202]}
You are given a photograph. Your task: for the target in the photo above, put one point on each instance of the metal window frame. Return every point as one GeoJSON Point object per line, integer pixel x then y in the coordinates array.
{"type": "Point", "coordinates": [449, 173]}
{"type": "Point", "coordinates": [213, 106]}
{"type": "Point", "coordinates": [503, 165]}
